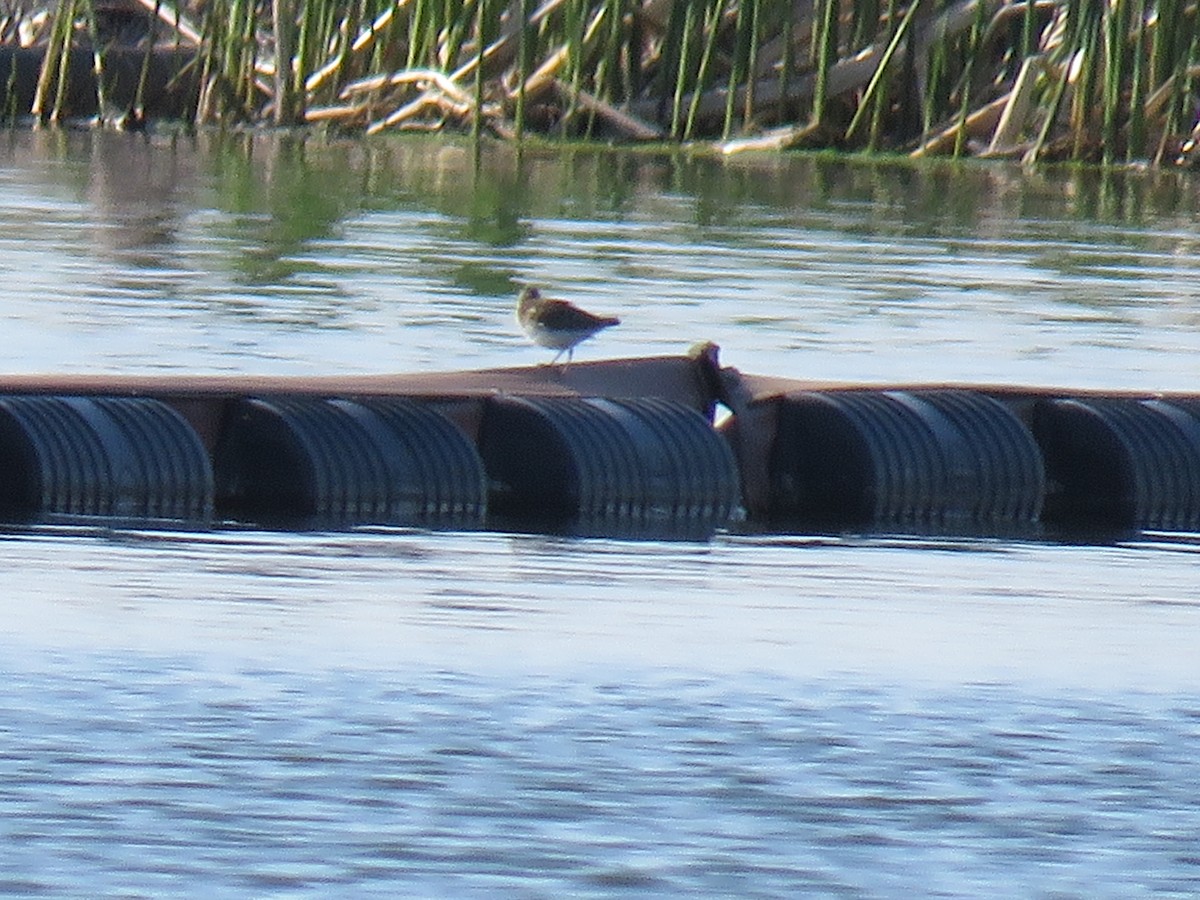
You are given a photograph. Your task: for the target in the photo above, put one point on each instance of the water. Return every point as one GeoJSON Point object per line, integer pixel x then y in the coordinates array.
{"type": "Point", "coordinates": [393, 711]}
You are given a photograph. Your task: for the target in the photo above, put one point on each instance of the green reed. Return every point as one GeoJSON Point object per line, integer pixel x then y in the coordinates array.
{"type": "Point", "coordinates": [967, 88]}
{"type": "Point", "coordinates": [702, 76]}
{"type": "Point", "coordinates": [608, 69]}
{"type": "Point", "coordinates": [483, 32]}
{"type": "Point", "coordinates": [52, 79]}
{"type": "Point", "coordinates": [879, 108]}
{"type": "Point", "coordinates": [1118, 78]}
{"type": "Point", "coordinates": [741, 70]}
{"type": "Point", "coordinates": [525, 43]}
{"type": "Point", "coordinates": [577, 14]}
{"type": "Point", "coordinates": [680, 48]}
{"type": "Point", "coordinates": [824, 51]}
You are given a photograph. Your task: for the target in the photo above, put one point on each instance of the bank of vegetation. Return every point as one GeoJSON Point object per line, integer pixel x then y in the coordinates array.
{"type": "Point", "coordinates": [1095, 80]}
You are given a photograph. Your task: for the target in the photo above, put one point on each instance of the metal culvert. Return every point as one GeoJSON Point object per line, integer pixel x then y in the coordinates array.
{"type": "Point", "coordinates": [634, 467]}
{"type": "Point", "coordinates": [1121, 463]}
{"type": "Point", "coordinates": [113, 457]}
{"type": "Point", "coordinates": [333, 463]}
{"type": "Point", "coordinates": [907, 459]}
{"type": "Point", "coordinates": [437, 476]}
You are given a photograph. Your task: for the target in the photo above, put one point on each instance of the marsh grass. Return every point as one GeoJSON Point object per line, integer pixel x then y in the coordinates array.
{"type": "Point", "coordinates": [1103, 80]}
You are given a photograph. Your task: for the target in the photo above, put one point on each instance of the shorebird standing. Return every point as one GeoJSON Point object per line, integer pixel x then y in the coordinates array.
{"type": "Point", "coordinates": [557, 324]}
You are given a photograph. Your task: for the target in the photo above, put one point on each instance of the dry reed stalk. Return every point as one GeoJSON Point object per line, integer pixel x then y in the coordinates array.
{"type": "Point", "coordinates": [349, 114]}
{"type": "Point", "coordinates": [774, 140]}
{"type": "Point", "coordinates": [363, 43]}
{"type": "Point", "coordinates": [1017, 109]}
{"type": "Point", "coordinates": [439, 94]}
{"type": "Point", "coordinates": [979, 124]}
{"type": "Point", "coordinates": [630, 126]}
{"type": "Point", "coordinates": [169, 15]}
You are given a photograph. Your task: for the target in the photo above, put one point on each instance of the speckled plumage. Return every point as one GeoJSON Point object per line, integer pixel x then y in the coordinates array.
{"type": "Point", "coordinates": [557, 324]}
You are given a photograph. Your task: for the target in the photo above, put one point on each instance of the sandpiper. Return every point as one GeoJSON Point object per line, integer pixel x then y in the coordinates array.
{"type": "Point", "coordinates": [557, 324]}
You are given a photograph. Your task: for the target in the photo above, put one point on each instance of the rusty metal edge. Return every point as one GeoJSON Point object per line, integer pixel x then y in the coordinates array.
{"type": "Point", "coordinates": [695, 379]}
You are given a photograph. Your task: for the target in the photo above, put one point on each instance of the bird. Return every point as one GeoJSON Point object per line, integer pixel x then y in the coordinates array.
{"type": "Point", "coordinates": [557, 324]}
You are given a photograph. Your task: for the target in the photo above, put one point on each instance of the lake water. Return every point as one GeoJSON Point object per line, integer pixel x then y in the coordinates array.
{"type": "Point", "coordinates": [390, 711]}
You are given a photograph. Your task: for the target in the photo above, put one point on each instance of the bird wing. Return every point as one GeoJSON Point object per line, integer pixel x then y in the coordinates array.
{"type": "Point", "coordinates": [561, 315]}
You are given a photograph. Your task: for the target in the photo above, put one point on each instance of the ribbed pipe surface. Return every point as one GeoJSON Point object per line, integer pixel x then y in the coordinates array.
{"type": "Point", "coordinates": [1122, 463]}
{"type": "Point", "coordinates": [344, 462]}
{"type": "Point", "coordinates": [436, 476]}
{"type": "Point", "coordinates": [112, 457]}
{"type": "Point", "coordinates": [609, 466]}
{"type": "Point", "coordinates": [906, 459]}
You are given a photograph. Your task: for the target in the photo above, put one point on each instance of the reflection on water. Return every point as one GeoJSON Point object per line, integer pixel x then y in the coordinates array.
{"type": "Point", "coordinates": [267, 254]}
{"type": "Point", "coordinates": [392, 711]}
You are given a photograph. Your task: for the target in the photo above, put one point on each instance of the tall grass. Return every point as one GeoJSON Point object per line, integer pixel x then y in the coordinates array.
{"type": "Point", "coordinates": [1105, 80]}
